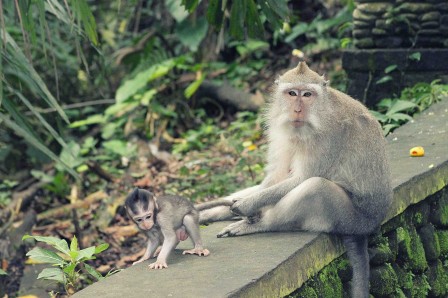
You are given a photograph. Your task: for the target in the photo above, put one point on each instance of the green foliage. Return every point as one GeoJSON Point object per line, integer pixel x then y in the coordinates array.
{"type": "Point", "coordinates": [394, 112]}
{"type": "Point", "coordinates": [66, 261]}
{"type": "Point", "coordinates": [23, 88]}
{"type": "Point", "coordinates": [246, 16]}
{"type": "Point", "coordinates": [207, 174]}
{"type": "Point", "coordinates": [6, 192]}
{"type": "Point", "coordinates": [324, 34]}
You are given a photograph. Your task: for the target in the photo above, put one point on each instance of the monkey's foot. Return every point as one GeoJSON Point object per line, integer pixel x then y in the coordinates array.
{"type": "Point", "coordinates": [158, 265]}
{"type": "Point", "coordinates": [239, 228]}
{"type": "Point", "coordinates": [197, 251]}
{"type": "Point", "coordinates": [242, 207]}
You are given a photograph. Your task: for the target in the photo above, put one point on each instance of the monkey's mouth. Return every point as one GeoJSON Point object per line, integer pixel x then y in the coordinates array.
{"type": "Point", "coordinates": [297, 123]}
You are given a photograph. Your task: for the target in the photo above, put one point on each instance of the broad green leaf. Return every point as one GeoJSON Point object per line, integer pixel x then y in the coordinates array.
{"type": "Point", "coordinates": [147, 97]}
{"type": "Point", "coordinates": [86, 254]}
{"type": "Point", "coordinates": [192, 32]}
{"type": "Point", "coordinates": [215, 14]}
{"type": "Point", "coordinates": [74, 244]}
{"type": "Point", "coordinates": [119, 147]}
{"type": "Point", "coordinates": [57, 243]}
{"type": "Point", "coordinates": [74, 254]}
{"type": "Point", "coordinates": [399, 106]}
{"type": "Point", "coordinates": [237, 19]}
{"type": "Point", "coordinates": [93, 272]}
{"type": "Point", "coordinates": [255, 27]}
{"type": "Point", "coordinates": [190, 5]}
{"type": "Point", "coordinates": [132, 86]}
{"type": "Point", "coordinates": [390, 68]}
{"type": "Point", "coordinates": [45, 256]}
{"type": "Point", "coordinates": [400, 117]}
{"type": "Point", "coordinates": [52, 274]}
{"type": "Point", "coordinates": [380, 117]}
{"type": "Point", "coordinates": [2, 272]}
{"type": "Point", "coordinates": [193, 87]}
{"type": "Point", "coordinates": [384, 80]}
{"type": "Point", "coordinates": [42, 176]}
{"type": "Point", "coordinates": [415, 56]}
{"type": "Point", "coordinates": [102, 247]}
{"type": "Point", "coordinates": [71, 155]}
{"type": "Point", "coordinates": [280, 7]}
{"type": "Point", "coordinates": [297, 31]}
{"type": "Point", "coordinates": [70, 269]}
{"type": "Point", "coordinates": [94, 119]}
{"type": "Point", "coordinates": [121, 108]}
{"type": "Point", "coordinates": [388, 127]}
{"type": "Point", "coordinates": [271, 16]}
{"type": "Point", "coordinates": [177, 11]}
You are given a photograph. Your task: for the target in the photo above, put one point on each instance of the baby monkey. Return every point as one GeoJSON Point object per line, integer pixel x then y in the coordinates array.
{"type": "Point", "coordinates": [166, 220]}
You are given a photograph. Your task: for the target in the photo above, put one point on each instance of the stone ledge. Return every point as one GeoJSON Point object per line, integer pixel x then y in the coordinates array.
{"type": "Point", "coordinates": [275, 264]}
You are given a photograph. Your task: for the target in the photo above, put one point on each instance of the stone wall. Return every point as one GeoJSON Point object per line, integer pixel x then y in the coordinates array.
{"type": "Point", "coordinates": [408, 257]}
{"type": "Point", "coordinates": [411, 34]}
{"type": "Point", "coordinates": [400, 24]}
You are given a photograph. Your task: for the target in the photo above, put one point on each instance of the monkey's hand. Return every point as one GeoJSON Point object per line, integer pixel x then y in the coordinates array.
{"type": "Point", "coordinates": [243, 207]}
{"type": "Point", "coordinates": [239, 228]}
{"type": "Point", "coordinates": [158, 265]}
{"type": "Point", "coordinates": [197, 251]}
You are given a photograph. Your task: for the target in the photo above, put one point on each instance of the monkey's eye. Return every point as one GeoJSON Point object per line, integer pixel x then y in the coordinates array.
{"type": "Point", "coordinates": [139, 220]}
{"type": "Point", "coordinates": [292, 93]}
{"type": "Point", "coordinates": [307, 94]}
{"type": "Point", "coordinates": [148, 217]}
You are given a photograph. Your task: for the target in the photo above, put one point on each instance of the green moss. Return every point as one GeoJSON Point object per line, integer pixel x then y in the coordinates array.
{"type": "Point", "coordinates": [411, 251]}
{"type": "Point", "coordinates": [443, 242]}
{"type": "Point", "coordinates": [381, 254]}
{"type": "Point", "coordinates": [383, 280]}
{"type": "Point", "coordinates": [328, 283]}
{"type": "Point", "coordinates": [421, 286]}
{"type": "Point", "coordinates": [418, 218]}
{"type": "Point", "coordinates": [439, 214]}
{"type": "Point", "coordinates": [438, 280]}
{"type": "Point", "coordinates": [304, 292]}
{"type": "Point", "coordinates": [430, 242]}
{"type": "Point", "coordinates": [404, 278]}
{"type": "Point", "coordinates": [344, 269]}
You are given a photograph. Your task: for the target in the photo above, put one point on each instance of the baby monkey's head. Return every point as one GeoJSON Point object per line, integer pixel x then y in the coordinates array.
{"type": "Point", "coordinates": [141, 207]}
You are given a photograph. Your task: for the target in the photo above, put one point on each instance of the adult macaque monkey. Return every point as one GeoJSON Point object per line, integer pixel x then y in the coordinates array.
{"type": "Point", "coordinates": [326, 170]}
{"type": "Point", "coordinates": [166, 220]}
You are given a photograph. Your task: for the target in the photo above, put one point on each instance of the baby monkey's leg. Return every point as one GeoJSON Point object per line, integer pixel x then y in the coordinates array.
{"type": "Point", "coordinates": [191, 223]}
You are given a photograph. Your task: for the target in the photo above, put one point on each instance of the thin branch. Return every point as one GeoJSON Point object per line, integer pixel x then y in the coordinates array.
{"type": "Point", "coordinates": [77, 105]}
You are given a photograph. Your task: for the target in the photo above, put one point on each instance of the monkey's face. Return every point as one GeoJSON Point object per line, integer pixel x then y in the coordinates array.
{"type": "Point", "coordinates": [144, 219]}
{"type": "Point", "coordinates": [298, 102]}
{"type": "Point", "coordinates": [142, 208]}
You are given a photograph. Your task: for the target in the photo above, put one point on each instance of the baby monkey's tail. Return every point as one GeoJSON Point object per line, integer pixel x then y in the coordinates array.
{"type": "Point", "coordinates": [212, 204]}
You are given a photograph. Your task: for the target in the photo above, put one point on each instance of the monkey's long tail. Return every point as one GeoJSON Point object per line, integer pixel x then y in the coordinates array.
{"type": "Point", "coordinates": [359, 258]}
{"type": "Point", "coordinates": [211, 204]}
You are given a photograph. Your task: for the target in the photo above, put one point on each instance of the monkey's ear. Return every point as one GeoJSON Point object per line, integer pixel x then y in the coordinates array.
{"type": "Point", "coordinates": [156, 206]}
{"type": "Point", "coordinates": [277, 80]}
{"type": "Point", "coordinates": [325, 83]}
